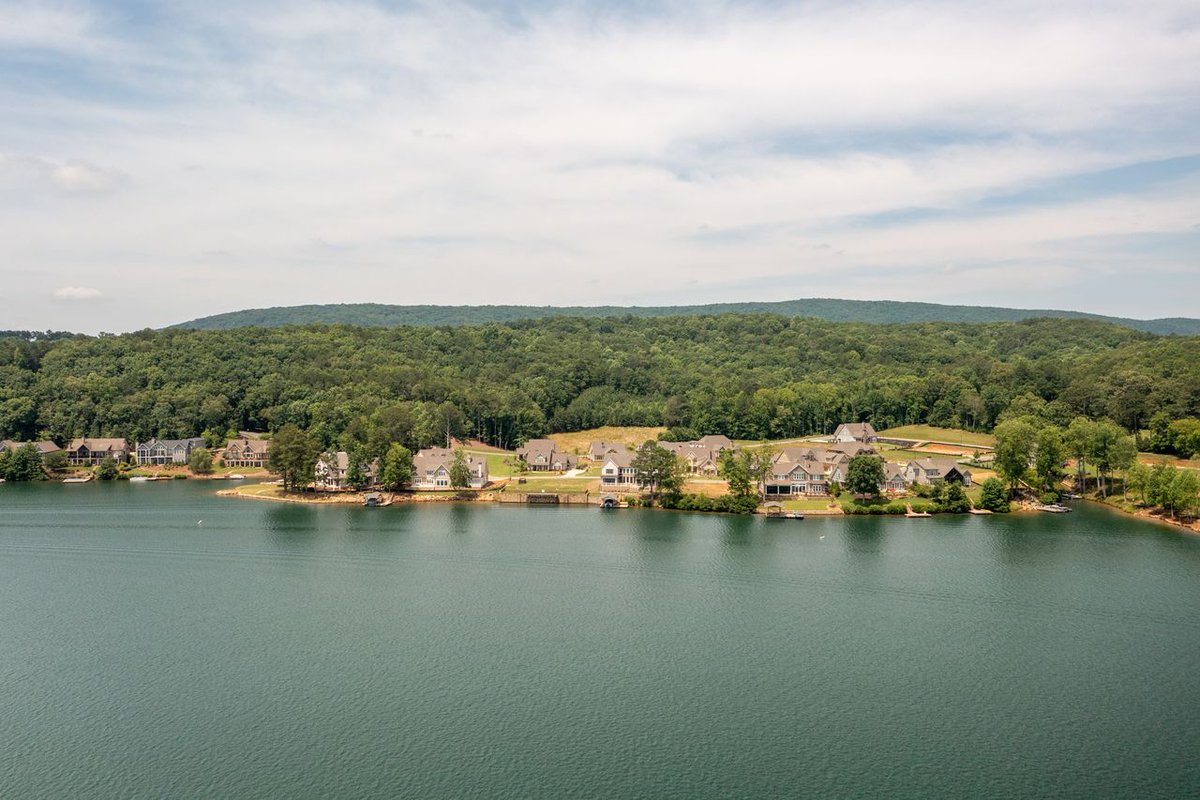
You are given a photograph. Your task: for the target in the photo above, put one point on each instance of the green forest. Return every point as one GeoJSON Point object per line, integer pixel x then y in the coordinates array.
{"type": "Point", "coordinates": [751, 376]}
{"type": "Point", "coordinates": [876, 311]}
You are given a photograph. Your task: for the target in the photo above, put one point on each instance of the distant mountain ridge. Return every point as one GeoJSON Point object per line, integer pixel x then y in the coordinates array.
{"type": "Point", "coordinates": [874, 311]}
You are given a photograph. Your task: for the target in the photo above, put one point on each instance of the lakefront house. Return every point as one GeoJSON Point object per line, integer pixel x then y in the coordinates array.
{"type": "Point", "coordinates": [431, 469]}
{"type": "Point", "coordinates": [332, 471]}
{"type": "Point", "coordinates": [246, 452]}
{"type": "Point", "coordinates": [930, 470]}
{"type": "Point", "coordinates": [543, 455]}
{"type": "Point", "coordinates": [167, 451]}
{"type": "Point", "coordinates": [617, 471]}
{"type": "Point", "coordinates": [93, 451]}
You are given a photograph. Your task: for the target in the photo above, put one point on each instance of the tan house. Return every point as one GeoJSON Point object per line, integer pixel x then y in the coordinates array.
{"type": "Point", "coordinates": [931, 470]}
{"type": "Point", "coordinates": [332, 468]}
{"type": "Point", "coordinates": [93, 451]}
{"type": "Point", "coordinates": [431, 469]}
{"type": "Point", "coordinates": [247, 453]}
{"type": "Point", "coordinates": [543, 455]}
{"type": "Point", "coordinates": [855, 432]}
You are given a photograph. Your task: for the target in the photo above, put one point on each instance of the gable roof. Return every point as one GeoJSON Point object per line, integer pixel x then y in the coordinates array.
{"type": "Point", "coordinates": [257, 446]}
{"type": "Point", "coordinates": [44, 446]}
{"type": "Point", "coordinates": [98, 445]}
{"type": "Point", "coordinates": [937, 467]}
{"type": "Point", "coordinates": [623, 458]}
{"type": "Point", "coordinates": [859, 430]}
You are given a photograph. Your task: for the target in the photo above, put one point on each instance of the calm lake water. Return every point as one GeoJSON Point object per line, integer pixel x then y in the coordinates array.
{"type": "Point", "coordinates": [479, 651]}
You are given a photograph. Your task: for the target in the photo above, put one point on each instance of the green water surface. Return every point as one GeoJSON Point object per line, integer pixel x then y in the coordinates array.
{"type": "Point", "coordinates": [159, 641]}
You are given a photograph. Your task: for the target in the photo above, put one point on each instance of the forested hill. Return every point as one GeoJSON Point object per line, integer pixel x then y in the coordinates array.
{"type": "Point", "coordinates": [878, 311]}
{"type": "Point", "coordinates": [750, 376]}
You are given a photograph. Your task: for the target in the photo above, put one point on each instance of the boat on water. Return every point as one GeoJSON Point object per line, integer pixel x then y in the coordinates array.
{"type": "Point", "coordinates": [77, 480]}
{"type": "Point", "coordinates": [1054, 508]}
{"type": "Point", "coordinates": [141, 479]}
{"type": "Point", "coordinates": [237, 476]}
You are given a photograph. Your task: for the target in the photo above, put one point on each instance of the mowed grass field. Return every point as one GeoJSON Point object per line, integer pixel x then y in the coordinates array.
{"type": "Point", "coordinates": [578, 441]}
{"type": "Point", "coordinates": [932, 433]}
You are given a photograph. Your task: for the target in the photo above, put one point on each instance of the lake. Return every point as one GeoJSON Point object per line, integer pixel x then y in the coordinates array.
{"type": "Point", "coordinates": [159, 641]}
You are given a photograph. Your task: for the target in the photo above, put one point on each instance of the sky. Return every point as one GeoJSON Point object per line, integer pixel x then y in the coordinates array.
{"type": "Point", "coordinates": [163, 161]}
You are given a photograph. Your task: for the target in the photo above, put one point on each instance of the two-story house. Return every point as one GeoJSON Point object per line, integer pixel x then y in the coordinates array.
{"type": "Point", "coordinates": [93, 451]}
{"type": "Point", "coordinates": [167, 451]}
{"type": "Point", "coordinates": [431, 469]}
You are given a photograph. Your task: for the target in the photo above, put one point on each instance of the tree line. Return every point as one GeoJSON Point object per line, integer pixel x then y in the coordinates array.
{"type": "Point", "coordinates": [751, 376]}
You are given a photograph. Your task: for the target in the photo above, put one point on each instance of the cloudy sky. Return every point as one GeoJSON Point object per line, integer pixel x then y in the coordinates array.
{"type": "Point", "coordinates": [161, 161]}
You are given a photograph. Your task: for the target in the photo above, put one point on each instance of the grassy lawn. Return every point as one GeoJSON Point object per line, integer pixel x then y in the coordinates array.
{"type": "Point", "coordinates": [496, 462]}
{"type": "Point", "coordinates": [803, 504]}
{"type": "Point", "coordinates": [707, 488]}
{"type": "Point", "coordinates": [931, 433]}
{"type": "Point", "coordinates": [555, 485]}
{"type": "Point", "coordinates": [578, 441]}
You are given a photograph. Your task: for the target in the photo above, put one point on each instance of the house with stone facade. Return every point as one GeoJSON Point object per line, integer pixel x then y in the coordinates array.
{"type": "Point", "coordinates": [246, 452]}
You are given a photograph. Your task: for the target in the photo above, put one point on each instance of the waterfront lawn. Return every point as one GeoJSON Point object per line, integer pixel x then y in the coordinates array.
{"type": "Point", "coordinates": [552, 485]}
{"type": "Point", "coordinates": [804, 504]}
{"type": "Point", "coordinates": [931, 433]}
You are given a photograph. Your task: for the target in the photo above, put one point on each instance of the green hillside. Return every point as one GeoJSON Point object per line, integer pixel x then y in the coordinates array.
{"type": "Point", "coordinates": [875, 311]}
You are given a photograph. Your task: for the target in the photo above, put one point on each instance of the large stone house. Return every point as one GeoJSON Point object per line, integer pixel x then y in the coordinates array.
{"type": "Point", "coordinates": [543, 455]}
{"type": "Point", "coordinates": [247, 453]}
{"type": "Point", "coordinates": [805, 471]}
{"type": "Point", "coordinates": [43, 447]}
{"type": "Point", "coordinates": [332, 469]}
{"type": "Point", "coordinates": [167, 451]}
{"type": "Point", "coordinates": [93, 451]}
{"type": "Point", "coordinates": [855, 432]}
{"type": "Point", "coordinates": [931, 470]}
{"type": "Point", "coordinates": [617, 471]}
{"type": "Point", "coordinates": [431, 469]}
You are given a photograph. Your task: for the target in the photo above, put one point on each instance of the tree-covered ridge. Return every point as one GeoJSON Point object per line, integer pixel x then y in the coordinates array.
{"type": "Point", "coordinates": [875, 311]}
{"type": "Point", "coordinates": [746, 375]}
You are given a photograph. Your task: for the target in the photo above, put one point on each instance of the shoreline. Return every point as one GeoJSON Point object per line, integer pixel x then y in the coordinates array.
{"type": "Point", "coordinates": [1148, 515]}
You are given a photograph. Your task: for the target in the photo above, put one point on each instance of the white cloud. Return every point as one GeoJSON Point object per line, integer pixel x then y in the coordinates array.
{"type": "Point", "coordinates": [77, 293]}
{"type": "Point", "coordinates": [85, 178]}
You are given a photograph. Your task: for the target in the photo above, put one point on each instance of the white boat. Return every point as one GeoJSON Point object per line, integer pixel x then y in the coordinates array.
{"type": "Point", "coordinates": [77, 480]}
{"type": "Point", "coordinates": [1054, 508]}
{"type": "Point", "coordinates": [237, 476]}
{"type": "Point", "coordinates": [140, 479]}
